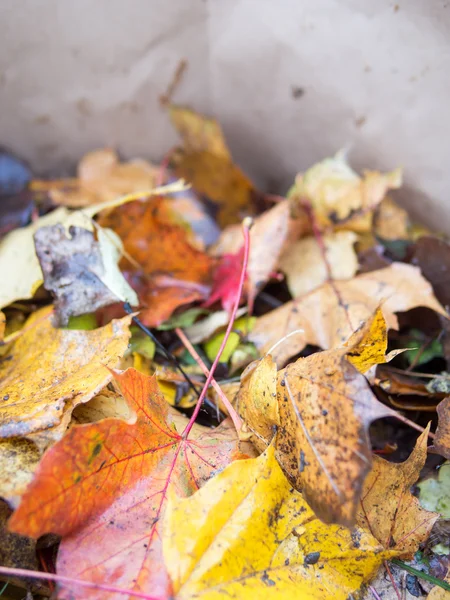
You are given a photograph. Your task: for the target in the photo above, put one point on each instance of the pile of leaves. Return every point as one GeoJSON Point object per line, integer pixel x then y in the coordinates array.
{"type": "Point", "coordinates": [213, 391]}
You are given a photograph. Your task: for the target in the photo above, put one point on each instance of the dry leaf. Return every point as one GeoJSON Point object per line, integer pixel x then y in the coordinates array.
{"type": "Point", "coordinates": [340, 197]}
{"type": "Point", "coordinates": [391, 222]}
{"type": "Point", "coordinates": [121, 471]}
{"type": "Point", "coordinates": [205, 161]}
{"type": "Point", "coordinates": [329, 315]}
{"type": "Point", "coordinates": [388, 509]}
{"type": "Point", "coordinates": [48, 371]}
{"type": "Point", "coordinates": [442, 437]}
{"type": "Point", "coordinates": [305, 266]}
{"type": "Point", "coordinates": [432, 256]}
{"type": "Point", "coordinates": [268, 236]}
{"type": "Point", "coordinates": [164, 269]}
{"type": "Point", "coordinates": [247, 534]}
{"type": "Point", "coordinates": [80, 272]}
{"type": "Point", "coordinates": [19, 459]}
{"type": "Point", "coordinates": [102, 177]}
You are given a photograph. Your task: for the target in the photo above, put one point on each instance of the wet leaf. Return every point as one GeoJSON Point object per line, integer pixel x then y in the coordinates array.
{"type": "Point", "coordinates": [388, 509]}
{"type": "Point", "coordinates": [160, 264]}
{"type": "Point", "coordinates": [339, 196]}
{"type": "Point", "coordinates": [121, 471]}
{"type": "Point", "coordinates": [329, 315]}
{"type": "Point", "coordinates": [80, 272]}
{"type": "Point", "coordinates": [305, 266]}
{"type": "Point", "coordinates": [247, 534]}
{"type": "Point", "coordinates": [206, 162]}
{"type": "Point", "coordinates": [47, 371]}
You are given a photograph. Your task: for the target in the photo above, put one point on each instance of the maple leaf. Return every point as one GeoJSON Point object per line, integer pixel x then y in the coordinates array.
{"type": "Point", "coordinates": [103, 487]}
{"type": "Point", "coordinates": [329, 315]}
{"type": "Point", "coordinates": [248, 534]}
{"type": "Point", "coordinates": [47, 371]}
{"type": "Point", "coordinates": [164, 268]}
{"type": "Point", "coordinates": [388, 509]}
{"type": "Point", "coordinates": [226, 280]}
{"type": "Point", "coordinates": [206, 162]}
{"type": "Point", "coordinates": [318, 411]}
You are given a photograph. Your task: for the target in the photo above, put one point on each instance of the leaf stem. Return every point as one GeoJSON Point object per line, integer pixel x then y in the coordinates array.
{"type": "Point", "coordinates": [421, 575]}
{"type": "Point", "coordinates": [246, 224]}
{"type": "Point", "coordinates": [81, 582]}
{"type": "Point", "coordinates": [192, 351]}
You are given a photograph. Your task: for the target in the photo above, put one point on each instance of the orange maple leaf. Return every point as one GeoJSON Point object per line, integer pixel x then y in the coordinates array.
{"type": "Point", "coordinates": [103, 488]}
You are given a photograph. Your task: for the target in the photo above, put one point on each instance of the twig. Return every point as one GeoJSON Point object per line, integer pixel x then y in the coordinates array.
{"type": "Point", "coordinates": [391, 577]}
{"type": "Point", "coordinates": [246, 224]}
{"type": "Point", "coordinates": [374, 593]}
{"type": "Point", "coordinates": [192, 351]}
{"type": "Point", "coordinates": [410, 423]}
{"type": "Point", "coordinates": [81, 582]}
{"type": "Point", "coordinates": [166, 98]}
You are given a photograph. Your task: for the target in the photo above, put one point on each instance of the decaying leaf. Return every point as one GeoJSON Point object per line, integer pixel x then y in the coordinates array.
{"type": "Point", "coordinates": [305, 266]}
{"type": "Point", "coordinates": [435, 492]}
{"type": "Point", "coordinates": [19, 459]}
{"type": "Point", "coordinates": [161, 265]}
{"type": "Point", "coordinates": [442, 439]}
{"type": "Point", "coordinates": [121, 471]}
{"type": "Point", "coordinates": [388, 509]}
{"type": "Point", "coordinates": [248, 534]}
{"type": "Point", "coordinates": [206, 162]}
{"type": "Point", "coordinates": [48, 371]}
{"type": "Point", "coordinates": [81, 273]}
{"type": "Point", "coordinates": [102, 177]}
{"type": "Point", "coordinates": [329, 315]}
{"type": "Point", "coordinates": [339, 197]}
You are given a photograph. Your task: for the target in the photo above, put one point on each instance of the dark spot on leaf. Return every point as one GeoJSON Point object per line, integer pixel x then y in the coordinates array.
{"type": "Point", "coordinates": [312, 558]}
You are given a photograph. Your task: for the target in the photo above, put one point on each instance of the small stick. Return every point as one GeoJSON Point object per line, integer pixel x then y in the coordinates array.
{"type": "Point", "coordinates": [81, 582]}
{"type": "Point", "coordinates": [246, 224]}
{"type": "Point", "coordinates": [374, 593]}
{"type": "Point", "coordinates": [391, 577]}
{"type": "Point", "coordinates": [407, 421]}
{"type": "Point", "coordinates": [166, 99]}
{"type": "Point", "coordinates": [192, 351]}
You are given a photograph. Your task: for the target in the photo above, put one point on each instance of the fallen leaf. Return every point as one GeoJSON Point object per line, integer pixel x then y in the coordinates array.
{"type": "Point", "coordinates": [442, 436]}
{"type": "Point", "coordinates": [340, 197]}
{"type": "Point", "coordinates": [391, 221]}
{"type": "Point", "coordinates": [226, 280]}
{"type": "Point", "coordinates": [102, 177]}
{"type": "Point", "coordinates": [388, 509]}
{"type": "Point", "coordinates": [2, 325]}
{"type": "Point", "coordinates": [432, 256]}
{"type": "Point", "coordinates": [329, 315]}
{"type": "Point", "coordinates": [80, 272]}
{"type": "Point", "coordinates": [121, 470]}
{"type": "Point", "coordinates": [247, 534]}
{"type": "Point", "coordinates": [305, 266]}
{"type": "Point", "coordinates": [19, 459]}
{"type": "Point", "coordinates": [18, 261]}
{"type": "Point", "coordinates": [438, 593]}
{"type": "Point", "coordinates": [161, 265]}
{"type": "Point", "coordinates": [435, 492]}
{"type": "Point", "coordinates": [204, 329]}
{"type": "Point", "coordinates": [206, 162]}
{"type": "Point", "coordinates": [48, 371]}
{"type": "Point", "coordinates": [269, 235]}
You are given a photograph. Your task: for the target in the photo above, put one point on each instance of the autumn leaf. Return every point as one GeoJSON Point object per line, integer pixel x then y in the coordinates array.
{"type": "Point", "coordinates": [304, 263]}
{"type": "Point", "coordinates": [339, 197]}
{"type": "Point", "coordinates": [388, 509]}
{"type": "Point", "coordinates": [442, 440]}
{"type": "Point", "coordinates": [81, 272]}
{"type": "Point", "coordinates": [248, 534]}
{"type": "Point", "coordinates": [226, 280]}
{"type": "Point", "coordinates": [160, 264]}
{"type": "Point", "coordinates": [391, 221]}
{"type": "Point", "coordinates": [48, 371]}
{"type": "Point", "coordinates": [205, 161]}
{"type": "Point", "coordinates": [103, 488]}
{"type": "Point", "coordinates": [329, 315]}
{"type": "Point", "coordinates": [269, 234]}
{"type": "Point", "coordinates": [101, 177]}
{"type": "Point", "coordinates": [19, 458]}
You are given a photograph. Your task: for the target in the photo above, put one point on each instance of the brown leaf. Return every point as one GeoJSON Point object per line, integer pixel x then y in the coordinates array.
{"type": "Point", "coordinates": [205, 161]}
{"type": "Point", "coordinates": [442, 439]}
{"type": "Point", "coordinates": [48, 371]}
{"type": "Point", "coordinates": [19, 459]}
{"type": "Point", "coordinates": [75, 272]}
{"type": "Point", "coordinates": [432, 256]}
{"type": "Point", "coordinates": [103, 487]}
{"type": "Point", "coordinates": [329, 315]}
{"type": "Point", "coordinates": [388, 509]}
{"type": "Point", "coordinates": [164, 269]}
